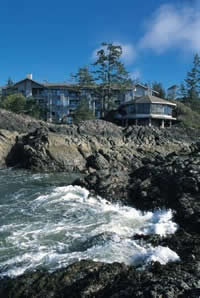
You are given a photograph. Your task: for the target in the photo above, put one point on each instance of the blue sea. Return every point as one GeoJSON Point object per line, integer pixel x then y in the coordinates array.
{"type": "Point", "coordinates": [45, 222]}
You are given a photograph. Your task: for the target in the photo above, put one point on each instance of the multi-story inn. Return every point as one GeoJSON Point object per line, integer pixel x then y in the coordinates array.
{"type": "Point", "coordinates": [61, 99]}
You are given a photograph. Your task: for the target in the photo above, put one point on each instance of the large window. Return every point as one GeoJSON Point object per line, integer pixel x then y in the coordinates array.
{"type": "Point", "coordinates": [130, 109]}
{"type": "Point", "coordinates": [143, 108]}
{"type": "Point", "coordinates": [157, 109]}
{"type": "Point", "coordinates": [168, 110]}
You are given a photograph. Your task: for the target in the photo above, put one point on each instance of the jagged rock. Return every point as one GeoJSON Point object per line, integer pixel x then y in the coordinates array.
{"type": "Point", "coordinates": [94, 279]}
{"type": "Point", "coordinates": [144, 167]}
{"type": "Point", "coordinates": [7, 141]}
{"type": "Point", "coordinates": [45, 151]}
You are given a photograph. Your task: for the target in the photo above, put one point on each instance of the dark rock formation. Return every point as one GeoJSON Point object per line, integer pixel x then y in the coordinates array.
{"type": "Point", "coordinates": [92, 146]}
{"type": "Point", "coordinates": [91, 279]}
{"type": "Point", "coordinates": [171, 181]}
{"type": "Point", "coordinates": [144, 167]}
{"type": "Point", "coordinates": [7, 141]}
{"type": "Point", "coordinates": [43, 151]}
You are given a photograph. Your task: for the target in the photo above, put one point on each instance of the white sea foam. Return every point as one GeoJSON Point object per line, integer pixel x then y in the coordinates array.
{"type": "Point", "coordinates": [66, 224]}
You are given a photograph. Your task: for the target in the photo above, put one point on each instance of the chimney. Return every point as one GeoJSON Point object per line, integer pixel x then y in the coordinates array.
{"type": "Point", "coordinates": [29, 76]}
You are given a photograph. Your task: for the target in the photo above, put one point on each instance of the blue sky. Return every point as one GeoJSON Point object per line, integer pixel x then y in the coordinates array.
{"type": "Point", "coordinates": [52, 39]}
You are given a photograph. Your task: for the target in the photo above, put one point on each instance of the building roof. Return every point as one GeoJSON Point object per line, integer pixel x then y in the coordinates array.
{"type": "Point", "coordinates": [27, 79]}
{"type": "Point", "coordinates": [151, 99]}
{"type": "Point", "coordinates": [66, 85]}
{"type": "Point", "coordinates": [69, 85]}
{"type": "Point", "coordinates": [63, 85]}
{"type": "Point", "coordinates": [47, 84]}
{"type": "Point", "coordinates": [57, 85]}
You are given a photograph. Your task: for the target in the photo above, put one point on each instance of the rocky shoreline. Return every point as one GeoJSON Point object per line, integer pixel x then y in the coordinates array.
{"type": "Point", "coordinates": [143, 167]}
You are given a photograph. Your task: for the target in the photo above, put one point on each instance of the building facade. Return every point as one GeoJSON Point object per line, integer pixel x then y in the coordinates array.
{"type": "Point", "coordinates": [60, 100]}
{"type": "Point", "coordinates": [147, 110]}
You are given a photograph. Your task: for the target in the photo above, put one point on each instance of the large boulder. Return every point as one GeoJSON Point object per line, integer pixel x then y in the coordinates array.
{"type": "Point", "coordinates": [7, 141]}
{"type": "Point", "coordinates": [44, 151]}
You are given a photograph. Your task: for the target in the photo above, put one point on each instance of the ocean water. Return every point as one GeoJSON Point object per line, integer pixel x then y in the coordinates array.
{"type": "Point", "coordinates": [47, 223]}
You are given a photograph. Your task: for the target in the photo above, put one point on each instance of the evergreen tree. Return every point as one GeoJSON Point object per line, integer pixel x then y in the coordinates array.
{"type": "Point", "coordinates": [10, 82]}
{"type": "Point", "coordinates": [182, 92]}
{"type": "Point", "coordinates": [83, 77]}
{"type": "Point", "coordinates": [83, 80]}
{"type": "Point", "coordinates": [157, 86]}
{"type": "Point", "coordinates": [34, 109]}
{"type": "Point", "coordinates": [193, 80]}
{"type": "Point", "coordinates": [83, 112]}
{"type": "Point", "coordinates": [10, 85]}
{"type": "Point", "coordinates": [15, 103]}
{"type": "Point", "coordinates": [19, 104]}
{"type": "Point", "coordinates": [111, 74]}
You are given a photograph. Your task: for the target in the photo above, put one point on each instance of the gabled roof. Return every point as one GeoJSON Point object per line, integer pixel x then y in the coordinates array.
{"type": "Point", "coordinates": [151, 99]}
{"type": "Point", "coordinates": [27, 79]}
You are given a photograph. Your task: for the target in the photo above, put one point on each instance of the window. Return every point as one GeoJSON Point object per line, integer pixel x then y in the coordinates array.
{"type": "Point", "coordinates": [157, 109]}
{"type": "Point", "coordinates": [140, 91]}
{"type": "Point", "coordinates": [66, 93]}
{"type": "Point", "coordinates": [64, 102]}
{"type": "Point", "coordinates": [167, 110]}
{"type": "Point", "coordinates": [143, 108]}
{"type": "Point", "coordinates": [73, 103]}
{"type": "Point", "coordinates": [132, 109]}
{"type": "Point", "coordinates": [72, 94]}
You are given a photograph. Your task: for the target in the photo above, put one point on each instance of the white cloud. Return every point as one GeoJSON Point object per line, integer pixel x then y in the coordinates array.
{"type": "Point", "coordinates": [135, 74]}
{"type": "Point", "coordinates": [173, 27]}
{"type": "Point", "coordinates": [128, 53]}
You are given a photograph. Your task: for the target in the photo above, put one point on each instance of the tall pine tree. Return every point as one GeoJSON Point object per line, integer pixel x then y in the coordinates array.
{"type": "Point", "coordinates": [193, 80]}
{"type": "Point", "coordinates": [83, 77]}
{"type": "Point", "coordinates": [182, 92]}
{"type": "Point", "coordinates": [83, 112]}
{"type": "Point", "coordinates": [111, 74]}
{"type": "Point", "coordinates": [157, 86]}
